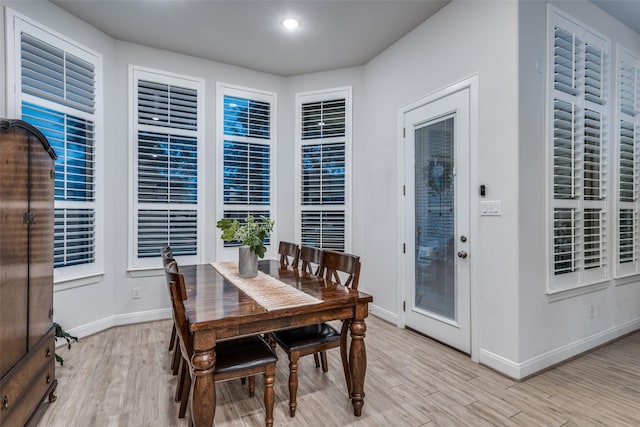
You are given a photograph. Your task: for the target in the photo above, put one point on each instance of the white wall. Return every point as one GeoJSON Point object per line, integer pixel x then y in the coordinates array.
{"type": "Point", "coordinates": [462, 39]}
{"type": "Point", "coordinates": [550, 330]}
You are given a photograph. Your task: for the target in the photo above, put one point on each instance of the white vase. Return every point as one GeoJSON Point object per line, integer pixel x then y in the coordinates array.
{"type": "Point", "coordinates": [247, 262]}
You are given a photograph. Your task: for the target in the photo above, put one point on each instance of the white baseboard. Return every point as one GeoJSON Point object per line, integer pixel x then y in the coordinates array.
{"type": "Point", "coordinates": [535, 364]}
{"type": "Point", "coordinates": [119, 320]}
{"type": "Point", "coordinates": [383, 314]}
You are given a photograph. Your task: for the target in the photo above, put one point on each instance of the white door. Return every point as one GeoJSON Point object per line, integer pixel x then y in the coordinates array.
{"type": "Point", "coordinates": [437, 294]}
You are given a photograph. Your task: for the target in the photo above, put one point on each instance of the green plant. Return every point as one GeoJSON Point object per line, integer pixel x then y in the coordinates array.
{"type": "Point", "coordinates": [251, 232]}
{"type": "Point", "coordinates": [61, 333]}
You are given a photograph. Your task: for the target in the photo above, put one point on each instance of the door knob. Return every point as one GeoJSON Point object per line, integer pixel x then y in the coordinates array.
{"type": "Point", "coordinates": [462, 254]}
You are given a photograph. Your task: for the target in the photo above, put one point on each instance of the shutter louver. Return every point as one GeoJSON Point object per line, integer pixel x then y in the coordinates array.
{"type": "Point", "coordinates": [246, 117]}
{"type": "Point", "coordinates": [324, 119]}
{"type": "Point", "coordinates": [593, 74]}
{"type": "Point", "coordinates": [592, 165]}
{"type": "Point", "coordinates": [74, 237]}
{"type": "Point", "coordinates": [564, 162]}
{"type": "Point", "coordinates": [594, 249]}
{"type": "Point", "coordinates": [57, 76]}
{"type": "Point", "coordinates": [564, 61]}
{"type": "Point", "coordinates": [628, 162]}
{"type": "Point", "coordinates": [176, 228]}
{"type": "Point", "coordinates": [628, 89]}
{"type": "Point", "coordinates": [167, 105]}
{"type": "Point", "coordinates": [246, 173]}
{"type": "Point", "coordinates": [323, 169]}
{"type": "Point", "coordinates": [323, 229]}
{"type": "Point", "coordinates": [73, 140]}
{"type": "Point", "coordinates": [565, 238]}
{"type": "Point", "coordinates": [628, 229]}
{"type": "Point", "coordinates": [167, 168]}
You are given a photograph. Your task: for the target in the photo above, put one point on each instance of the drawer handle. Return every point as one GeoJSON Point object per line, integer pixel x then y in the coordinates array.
{"type": "Point", "coordinates": [48, 378]}
{"type": "Point", "coordinates": [48, 354]}
{"type": "Point", "coordinates": [5, 402]}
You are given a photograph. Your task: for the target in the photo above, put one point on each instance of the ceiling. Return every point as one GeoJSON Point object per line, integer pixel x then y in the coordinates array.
{"type": "Point", "coordinates": [248, 33]}
{"type": "Point", "coordinates": [626, 11]}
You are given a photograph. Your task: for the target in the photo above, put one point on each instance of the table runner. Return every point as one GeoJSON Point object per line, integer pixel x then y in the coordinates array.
{"type": "Point", "coordinates": [267, 291]}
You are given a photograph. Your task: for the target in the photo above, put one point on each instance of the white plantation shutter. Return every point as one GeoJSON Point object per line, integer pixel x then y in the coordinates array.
{"type": "Point", "coordinates": [167, 143]}
{"type": "Point", "coordinates": [246, 143]}
{"type": "Point", "coordinates": [323, 141]}
{"type": "Point", "coordinates": [579, 232]}
{"type": "Point", "coordinates": [57, 93]}
{"type": "Point", "coordinates": [628, 137]}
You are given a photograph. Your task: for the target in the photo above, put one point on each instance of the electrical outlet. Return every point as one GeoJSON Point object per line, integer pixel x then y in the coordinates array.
{"type": "Point", "coordinates": [591, 311]}
{"type": "Point", "coordinates": [135, 293]}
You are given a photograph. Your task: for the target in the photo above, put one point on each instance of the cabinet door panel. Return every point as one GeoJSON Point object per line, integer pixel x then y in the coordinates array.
{"type": "Point", "coordinates": [41, 242]}
{"type": "Point", "coordinates": [14, 237]}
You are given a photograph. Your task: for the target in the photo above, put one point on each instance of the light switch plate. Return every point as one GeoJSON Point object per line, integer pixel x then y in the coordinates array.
{"type": "Point", "coordinates": [490, 208]}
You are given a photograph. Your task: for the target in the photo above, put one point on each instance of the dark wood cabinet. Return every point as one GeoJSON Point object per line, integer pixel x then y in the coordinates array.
{"type": "Point", "coordinates": [27, 342]}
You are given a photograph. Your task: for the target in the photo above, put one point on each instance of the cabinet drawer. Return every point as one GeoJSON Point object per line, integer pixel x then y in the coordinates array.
{"type": "Point", "coordinates": [26, 384]}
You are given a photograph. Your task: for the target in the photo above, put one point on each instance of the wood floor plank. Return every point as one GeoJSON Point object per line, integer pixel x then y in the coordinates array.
{"type": "Point", "coordinates": [120, 377]}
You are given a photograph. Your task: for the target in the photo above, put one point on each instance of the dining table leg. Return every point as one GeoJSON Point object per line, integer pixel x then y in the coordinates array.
{"type": "Point", "coordinates": [203, 389]}
{"type": "Point", "coordinates": [358, 358]}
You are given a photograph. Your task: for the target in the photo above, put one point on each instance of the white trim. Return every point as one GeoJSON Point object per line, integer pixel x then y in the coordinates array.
{"type": "Point", "coordinates": [223, 89]}
{"type": "Point", "coordinates": [144, 73]}
{"type": "Point", "coordinates": [535, 364]}
{"type": "Point", "coordinates": [581, 277]}
{"type": "Point", "coordinates": [78, 282]}
{"type": "Point", "coordinates": [101, 325]}
{"type": "Point", "coordinates": [383, 314]}
{"type": "Point", "coordinates": [472, 83]}
{"type": "Point", "coordinates": [316, 96]}
{"type": "Point", "coordinates": [14, 23]}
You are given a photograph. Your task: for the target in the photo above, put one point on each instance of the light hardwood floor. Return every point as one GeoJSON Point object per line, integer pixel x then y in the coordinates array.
{"type": "Point", "coordinates": [120, 377]}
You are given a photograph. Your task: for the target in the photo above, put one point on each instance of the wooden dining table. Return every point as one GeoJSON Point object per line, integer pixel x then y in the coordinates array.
{"type": "Point", "coordinates": [218, 310]}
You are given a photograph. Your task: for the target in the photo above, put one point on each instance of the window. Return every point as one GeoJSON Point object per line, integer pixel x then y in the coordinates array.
{"type": "Point", "coordinates": [579, 145]}
{"type": "Point", "coordinates": [245, 147]}
{"type": "Point", "coordinates": [167, 139]}
{"type": "Point", "coordinates": [57, 85]}
{"type": "Point", "coordinates": [323, 147]}
{"type": "Point", "coordinates": [628, 139]}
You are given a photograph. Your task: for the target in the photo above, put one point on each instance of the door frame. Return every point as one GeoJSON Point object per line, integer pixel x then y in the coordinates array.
{"type": "Point", "coordinates": [472, 84]}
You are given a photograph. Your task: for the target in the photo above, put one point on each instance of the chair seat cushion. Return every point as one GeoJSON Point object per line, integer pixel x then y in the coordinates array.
{"type": "Point", "coordinates": [297, 339]}
{"type": "Point", "coordinates": [242, 353]}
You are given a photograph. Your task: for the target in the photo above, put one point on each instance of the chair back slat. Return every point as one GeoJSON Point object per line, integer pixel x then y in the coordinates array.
{"type": "Point", "coordinates": [335, 262]}
{"type": "Point", "coordinates": [171, 273]}
{"type": "Point", "coordinates": [289, 254]}
{"type": "Point", "coordinates": [311, 260]}
{"type": "Point", "coordinates": [180, 316]}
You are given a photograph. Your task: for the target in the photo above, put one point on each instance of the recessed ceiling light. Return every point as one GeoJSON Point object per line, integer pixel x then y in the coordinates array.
{"type": "Point", "coordinates": [290, 23]}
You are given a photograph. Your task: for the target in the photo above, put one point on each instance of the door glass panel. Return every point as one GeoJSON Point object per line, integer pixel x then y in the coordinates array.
{"type": "Point", "coordinates": [434, 218]}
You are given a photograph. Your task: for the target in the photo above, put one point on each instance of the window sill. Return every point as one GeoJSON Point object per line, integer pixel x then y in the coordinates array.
{"type": "Point", "coordinates": [145, 272]}
{"type": "Point", "coordinates": [76, 282]}
{"type": "Point", "coordinates": [627, 280]}
{"type": "Point", "coordinates": [559, 295]}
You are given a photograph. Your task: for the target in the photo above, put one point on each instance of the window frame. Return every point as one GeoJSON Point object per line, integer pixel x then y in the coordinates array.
{"type": "Point", "coordinates": [225, 89]}
{"type": "Point", "coordinates": [581, 277]}
{"type": "Point", "coordinates": [15, 24]}
{"type": "Point", "coordinates": [318, 96]}
{"type": "Point", "coordinates": [137, 73]}
{"type": "Point", "coordinates": [633, 267]}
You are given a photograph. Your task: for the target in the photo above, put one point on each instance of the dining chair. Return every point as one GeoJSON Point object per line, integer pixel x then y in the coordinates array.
{"type": "Point", "coordinates": [339, 268]}
{"type": "Point", "coordinates": [289, 254]}
{"type": "Point", "coordinates": [235, 359]}
{"type": "Point", "coordinates": [167, 257]}
{"type": "Point", "coordinates": [311, 259]}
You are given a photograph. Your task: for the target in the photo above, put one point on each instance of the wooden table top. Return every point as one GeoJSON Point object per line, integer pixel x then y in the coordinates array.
{"type": "Point", "coordinates": [214, 302]}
